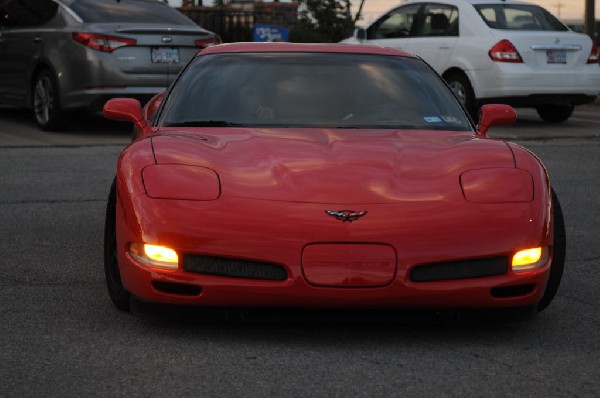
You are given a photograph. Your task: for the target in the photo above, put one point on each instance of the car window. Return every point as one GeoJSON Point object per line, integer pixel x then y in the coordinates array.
{"type": "Point", "coordinates": [133, 11]}
{"type": "Point", "coordinates": [398, 23]}
{"type": "Point", "coordinates": [24, 13]}
{"type": "Point", "coordinates": [438, 20]}
{"type": "Point", "coordinates": [519, 17]}
{"type": "Point", "coordinates": [312, 90]}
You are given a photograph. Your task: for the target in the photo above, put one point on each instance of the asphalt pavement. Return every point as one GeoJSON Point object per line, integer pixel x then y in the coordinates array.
{"type": "Point", "coordinates": [585, 123]}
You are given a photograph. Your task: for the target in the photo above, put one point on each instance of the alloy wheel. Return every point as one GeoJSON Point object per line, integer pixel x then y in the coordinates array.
{"type": "Point", "coordinates": [459, 90]}
{"type": "Point", "coordinates": [43, 99]}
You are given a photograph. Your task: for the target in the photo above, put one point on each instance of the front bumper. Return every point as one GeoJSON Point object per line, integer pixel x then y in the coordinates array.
{"type": "Point", "coordinates": [214, 291]}
{"type": "Point", "coordinates": [506, 80]}
{"type": "Point", "coordinates": [419, 232]}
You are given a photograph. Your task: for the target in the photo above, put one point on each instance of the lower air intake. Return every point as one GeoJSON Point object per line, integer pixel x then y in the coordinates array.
{"type": "Point", "coordinates": [512, 291]}
{"type": "Point", "coordinates": [177, 288]}
{"type": "Point", "coordinates": [234, 268]}
{"type": "Point", "coordinates": [460, 269]}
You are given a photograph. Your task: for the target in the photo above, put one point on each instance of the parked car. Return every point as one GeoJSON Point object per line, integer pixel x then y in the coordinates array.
{"type": "Point", "coordinates": [60, 55]}
{"type": "Point", "coordinates": [326, 176]}
{"type": "Point", "coordinates": [507, 52]}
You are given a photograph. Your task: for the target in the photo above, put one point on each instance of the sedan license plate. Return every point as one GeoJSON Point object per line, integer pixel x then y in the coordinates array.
{"type": "Point", "coordinates": [556, 56]}
{"type": "Point", "coordinates": [164, 55]}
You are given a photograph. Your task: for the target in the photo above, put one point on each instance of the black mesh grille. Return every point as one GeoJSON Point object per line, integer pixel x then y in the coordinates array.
{"type": "Point", "coordinates": [460, 269]}
{"type": "Point", "coordinates": [234, 268]}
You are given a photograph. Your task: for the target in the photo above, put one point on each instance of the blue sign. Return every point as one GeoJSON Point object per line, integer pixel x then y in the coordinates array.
{"type": "Point", "coordinates": [270, 33]}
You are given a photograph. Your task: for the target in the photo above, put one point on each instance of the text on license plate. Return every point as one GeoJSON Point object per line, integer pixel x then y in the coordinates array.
{"type": "Point", "coordinates": [164, 55]}
{"type": "Point", "coordinates": [556, 56]}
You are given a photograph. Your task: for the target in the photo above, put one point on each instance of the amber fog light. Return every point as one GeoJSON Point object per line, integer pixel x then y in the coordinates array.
{"type": "Point", "coordinates": [529, 259]}
{"type": "Point", "coordinates": [154, 256]}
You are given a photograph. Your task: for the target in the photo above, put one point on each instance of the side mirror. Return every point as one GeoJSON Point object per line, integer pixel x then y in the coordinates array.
{"type": "Point", "coordinates": [125, 109]}
{"type": "Point", "coordinates": [361, 33]}
{"type": "Point", "coordinates": [495, 115]}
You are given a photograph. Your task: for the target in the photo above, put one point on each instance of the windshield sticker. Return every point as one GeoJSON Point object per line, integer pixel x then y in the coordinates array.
{"type": "Point", "coordinates": [451, 119]}
{"type": "Point", "coordinates": [432, 119]}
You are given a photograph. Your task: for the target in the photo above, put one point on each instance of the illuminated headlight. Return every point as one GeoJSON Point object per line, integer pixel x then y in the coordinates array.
{"type": "Point", "coordinates": [178, 181]}
{"type": "Point", "coordinates": [529, 259]}
{"type": "Point", "coordinates": [154, 256]}
{"type": "Point", "coordinates": [497, 185]}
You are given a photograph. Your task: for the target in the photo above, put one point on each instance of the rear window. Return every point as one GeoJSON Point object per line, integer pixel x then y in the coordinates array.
{"type": "Point", "coordinates": [312, 90]}
{"type": "Point", "coordinates": [519, 17]}
{"type": "Point", "coordinates": [128, 11]}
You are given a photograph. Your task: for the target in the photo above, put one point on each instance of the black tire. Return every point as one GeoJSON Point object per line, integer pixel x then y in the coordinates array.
{"type": "Point", "coordinates": [120, 297]}
{"type": "Point", "coordinates": [558, 261]}
{"type": "Point", "coordinates": [45, 102]}
{"type": "Point", "coordinates": [555, 113]}
{"type": "Point", "coordinates": [463, 91]}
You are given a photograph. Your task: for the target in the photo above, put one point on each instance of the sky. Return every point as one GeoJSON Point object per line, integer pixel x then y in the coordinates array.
{"type": "Point", "coordinates": [564, 9]}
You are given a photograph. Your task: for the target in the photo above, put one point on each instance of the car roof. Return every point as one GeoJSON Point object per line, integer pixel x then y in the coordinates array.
{"type": "Point", "coordinates": [304, 48]}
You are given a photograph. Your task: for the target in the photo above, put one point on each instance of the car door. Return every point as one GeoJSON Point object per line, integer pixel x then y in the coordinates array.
{"type": "Point", "coordinates": [435, 34]}
{"type": "Point", "coordinates": [394, 28]}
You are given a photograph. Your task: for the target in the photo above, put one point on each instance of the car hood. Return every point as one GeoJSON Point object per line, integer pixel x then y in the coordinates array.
{"type": "Point", "coordinates": [333, 165]}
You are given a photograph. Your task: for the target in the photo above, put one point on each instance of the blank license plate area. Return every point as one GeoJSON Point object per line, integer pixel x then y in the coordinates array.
{"type": "Point", "coordinates": [165, 55]}
{"type": "Point", "coordinates": [348, 265]}
{"type": "Point", "coordinates": [556, 57]}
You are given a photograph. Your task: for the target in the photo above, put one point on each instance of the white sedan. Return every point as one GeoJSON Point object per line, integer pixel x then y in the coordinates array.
{"type": "Point", "coordinates": [494, 51]}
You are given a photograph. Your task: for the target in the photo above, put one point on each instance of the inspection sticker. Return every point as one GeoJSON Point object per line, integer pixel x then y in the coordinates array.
{"type": "Point", "coordinates": [451, 119]}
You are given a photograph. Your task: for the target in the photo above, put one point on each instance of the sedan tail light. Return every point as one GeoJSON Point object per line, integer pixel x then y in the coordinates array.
{"type": "Point", "coordinates": [212, 41]}
{"type": "Point", "coordinates": [103, 42]}
{"type": "Point", "coordinates": [593, 58]}
{"type": "Point", "coordinates": [504, 51]}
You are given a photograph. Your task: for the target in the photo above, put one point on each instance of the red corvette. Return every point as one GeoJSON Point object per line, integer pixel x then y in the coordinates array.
{"type": "Point", "coordinates": [326, 176]}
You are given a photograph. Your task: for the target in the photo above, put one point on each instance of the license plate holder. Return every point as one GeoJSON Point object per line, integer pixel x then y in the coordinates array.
{"type": "Point", "coordinates": [556, 56]}
{"type": "Point", "coordinates": [165, 55]}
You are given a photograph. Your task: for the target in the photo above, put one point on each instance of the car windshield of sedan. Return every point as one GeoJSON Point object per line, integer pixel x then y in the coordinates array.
{"type": "Point", "coordinates": [328, 90]}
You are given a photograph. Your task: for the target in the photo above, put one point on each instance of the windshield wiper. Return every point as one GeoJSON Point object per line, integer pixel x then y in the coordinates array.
{"type": "Point", "coordinates": [204, 123]}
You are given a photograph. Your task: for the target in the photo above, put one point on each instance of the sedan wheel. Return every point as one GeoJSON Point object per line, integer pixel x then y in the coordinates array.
{"type": "Point", "coordinates": [461, 87]}
{"type": "Point", "coordinates": [555, 113]}
{"type": "Point", "coordinates": [45, 102]}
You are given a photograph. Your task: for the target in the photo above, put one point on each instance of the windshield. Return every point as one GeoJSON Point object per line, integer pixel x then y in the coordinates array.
{"type": "Point", "coordinates": [131, 11]}
{"type": "Point", "coordinates": [519, 17]}
{"type": "Point", "coordinates": [312, 90]}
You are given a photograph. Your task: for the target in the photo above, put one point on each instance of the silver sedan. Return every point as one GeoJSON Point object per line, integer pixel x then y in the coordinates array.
{"type": "Point", "coordinates": [60, 55]}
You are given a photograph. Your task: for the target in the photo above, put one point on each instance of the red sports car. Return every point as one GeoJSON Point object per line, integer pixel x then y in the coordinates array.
{"type": "Point", "coordinates": [326, 176]}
